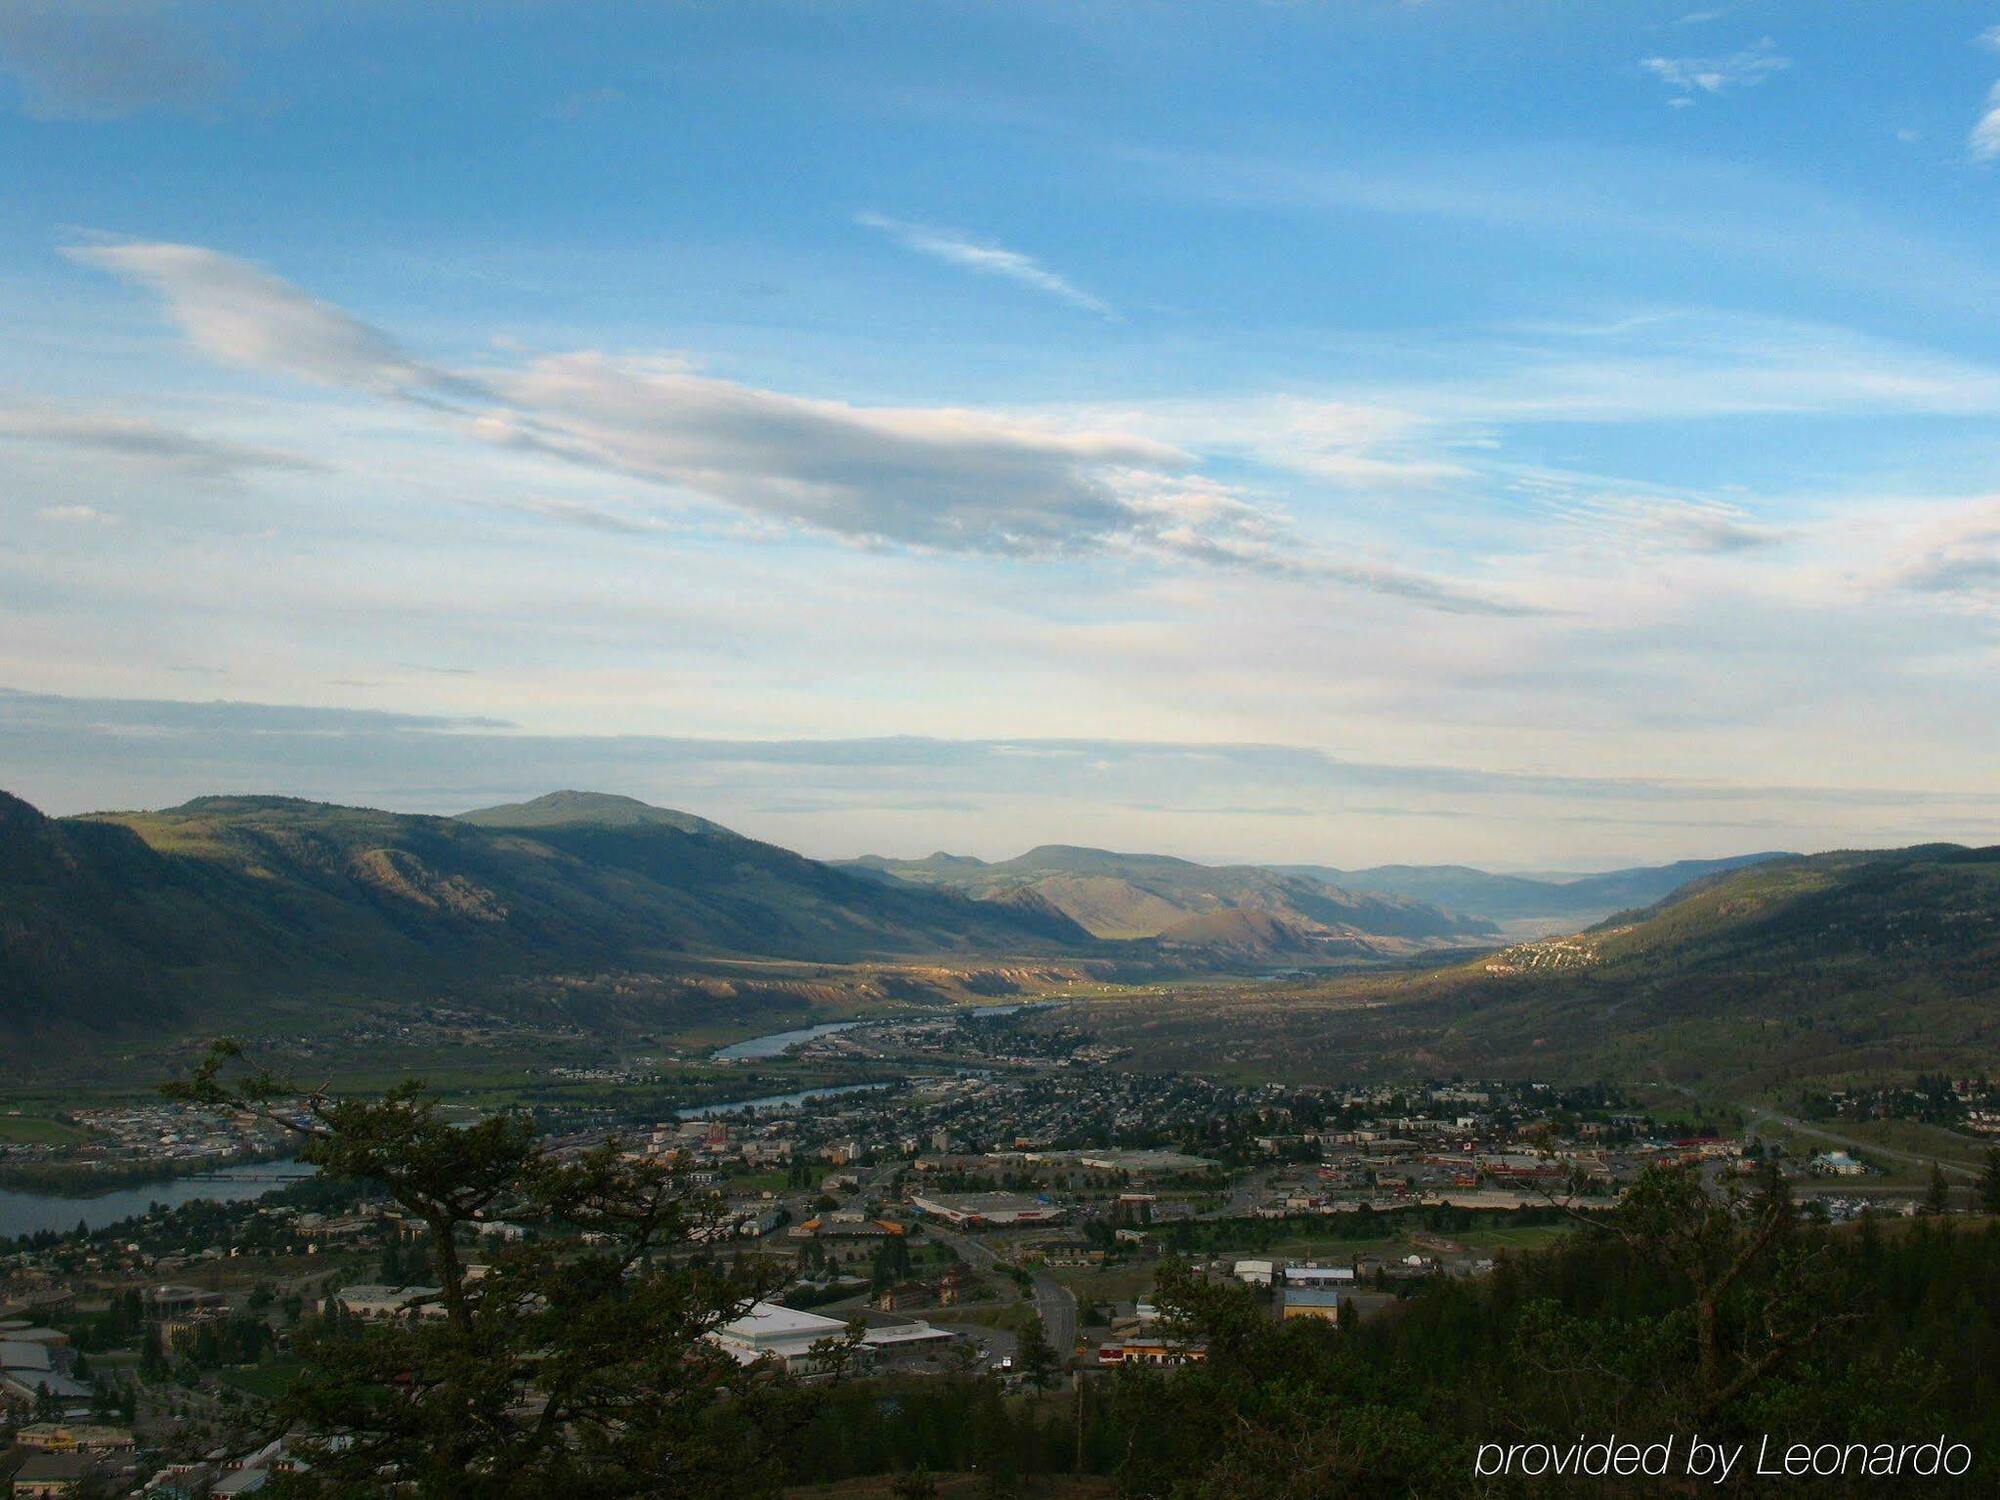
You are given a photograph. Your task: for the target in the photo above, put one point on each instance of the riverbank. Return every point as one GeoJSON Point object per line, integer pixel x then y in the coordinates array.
{"type": "Point", "coordinates": [36, 1213]}
{"type": "Point", "coordinates": [85, 1180]}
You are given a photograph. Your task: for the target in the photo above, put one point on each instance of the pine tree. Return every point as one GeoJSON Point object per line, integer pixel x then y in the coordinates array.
{"type": "Point", "coordinates": [564, 1370]}
{"type": "Point", "coordinates": [1937, 1197]}
{"type": "Point", "coordinates": [1989, 1183]}
{"type": "Point", "coordinates": [1035, 1357]}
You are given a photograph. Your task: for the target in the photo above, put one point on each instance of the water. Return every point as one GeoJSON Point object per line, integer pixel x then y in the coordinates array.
{"type": "Point", "coordinates": [778, 1043]}
{"type": "Point", "coordinates": [30, 1213]}
{"type": "Point", "coordinates": [774, 1101]}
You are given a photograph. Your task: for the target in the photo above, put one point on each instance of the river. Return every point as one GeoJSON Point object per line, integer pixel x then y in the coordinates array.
{"type": "Point", "coordinates": [30, 1213]}
{"type": "Point", "coordinates": [778, 1043]}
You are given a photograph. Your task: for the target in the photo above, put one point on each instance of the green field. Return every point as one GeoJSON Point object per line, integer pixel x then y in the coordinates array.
{"type": "Point", "coordinates": [33, 1130]}
{"type": "Point", "coordinates": [267, 1381]}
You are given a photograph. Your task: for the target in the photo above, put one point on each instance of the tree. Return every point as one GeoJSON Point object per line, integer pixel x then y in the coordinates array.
{"type": "Point", "coordinates": [1937, 1196]}
{"type": "Point", "coordinates": [1035, 1357]}
{"type": "Point", "coordinates": [1989, 1182]}
{"type": "Point", "coordinates": [570, 1369]}
{"type": "Point", "coordinates": [1751, 1296]}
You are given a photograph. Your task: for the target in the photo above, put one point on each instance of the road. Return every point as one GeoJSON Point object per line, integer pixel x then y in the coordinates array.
{"type": "Point", "coordinates": [1055, 1302]}
{"type": "Point", "coordinates": [1758, 1115]}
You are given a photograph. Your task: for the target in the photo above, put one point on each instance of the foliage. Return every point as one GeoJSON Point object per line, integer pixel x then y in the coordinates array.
{"type": "Point", "coordinates": [566, 1368]}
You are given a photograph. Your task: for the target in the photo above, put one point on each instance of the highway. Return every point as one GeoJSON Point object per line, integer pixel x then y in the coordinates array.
{"type": "Point", "coordinates": [1759, 1115]}
{"type": "Point", "coordinates": [1055, 1302]}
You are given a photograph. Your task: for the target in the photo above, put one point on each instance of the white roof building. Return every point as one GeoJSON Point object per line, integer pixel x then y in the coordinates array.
{"type": "Point", "coordinates": [770, 1330]}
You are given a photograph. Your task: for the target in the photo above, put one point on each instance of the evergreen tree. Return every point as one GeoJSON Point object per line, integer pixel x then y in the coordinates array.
{"type": "Point", "coordinates": [1937, 1196]}
{"type": "Point", "coordinates": [1035, 1357]}
{"type": "Point", "coordinates": [564, 1370]}
{"type": "Point", "coordinates": [1989, 1182]}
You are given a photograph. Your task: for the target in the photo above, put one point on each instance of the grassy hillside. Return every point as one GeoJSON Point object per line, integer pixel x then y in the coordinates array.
{"type": "Point", "coordinates": [241, 908]}
{"type": "Point", "coordinates": [1150, 895]}
{"type": "Point", "coordinates": [1835, 966]}
{"type": "Point", "coordinates": [1513, 897]}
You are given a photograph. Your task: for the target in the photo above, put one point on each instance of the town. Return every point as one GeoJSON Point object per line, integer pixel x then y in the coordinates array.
{"type": "Point", "coordinates": [1001, 1210]}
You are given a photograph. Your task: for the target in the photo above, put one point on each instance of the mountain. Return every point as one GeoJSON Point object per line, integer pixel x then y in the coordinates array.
{"type": "Point", "coordinates": [231, 906]}
{"type": "Point", "coordinates": [1834, 966]}
{"type": "Point", "coordinates": [1129, 896]}
{"type": "Point", "coordinates": [1512, 897]}
{"type": "Point", "coordinates": [594, 809]}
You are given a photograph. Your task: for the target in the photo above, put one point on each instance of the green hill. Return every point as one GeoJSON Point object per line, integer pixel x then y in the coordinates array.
{"type": "Point", "coordinates": [234, 908]}
{"type": "Point", "coordinates": [1828, 967]}
{"type": "Point", "coordinates": [1506, 898]}
{"type": "Point", "coordinates": [1117, 895]}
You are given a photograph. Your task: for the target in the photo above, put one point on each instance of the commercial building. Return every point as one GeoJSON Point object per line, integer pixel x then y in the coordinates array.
{"type": "Point", "coordinates": [772, 1331]}
{"type": "Point", "coordinates": [1320, 1276]}
{"type": "Point", "coordinates": [967, 1210]}
{"type": "Point", "coordinates": [381, 1303]}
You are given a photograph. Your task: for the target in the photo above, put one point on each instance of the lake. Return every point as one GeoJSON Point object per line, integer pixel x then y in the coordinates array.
{"type": "Point", "coordinates": [30, 1213]}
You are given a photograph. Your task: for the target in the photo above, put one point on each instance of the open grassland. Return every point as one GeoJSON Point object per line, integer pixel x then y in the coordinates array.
{"type": "Point", "coordinates": [32, 1130]}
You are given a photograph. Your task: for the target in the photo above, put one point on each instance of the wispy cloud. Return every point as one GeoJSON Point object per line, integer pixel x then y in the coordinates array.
{"type": "Point", "coordinates": [1654, 524]}
{"type": "Point", "coordinates": [242, 314]}
{"type": "Point", "coordinates": [985, 259]}
{"type": "Point", "coordinates": [76, 515]}
{"type": "Point", "coordinates": [1690, 76]}
{"type": "Point", "coordinates": [132, 441]}
{"type": "Point", "coordinates": [1984, 140]}
{"type": "Point", "coordinates": [946, 479]}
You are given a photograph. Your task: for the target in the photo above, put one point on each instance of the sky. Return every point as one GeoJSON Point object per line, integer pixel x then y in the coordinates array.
{"type": "Point", "coordinates": [1536, 435]}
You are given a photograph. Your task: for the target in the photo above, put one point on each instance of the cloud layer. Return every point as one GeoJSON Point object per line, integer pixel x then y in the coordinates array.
{"type": "Point", "coordinates": [949, 479]}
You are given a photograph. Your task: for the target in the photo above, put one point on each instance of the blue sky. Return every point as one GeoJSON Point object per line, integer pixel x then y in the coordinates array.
{"type": "Point", "coordinates": [1532, 434]}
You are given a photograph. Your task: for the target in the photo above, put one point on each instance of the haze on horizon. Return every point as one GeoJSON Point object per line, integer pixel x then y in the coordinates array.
{"type": "Point", "coordinates": [1552, 437]}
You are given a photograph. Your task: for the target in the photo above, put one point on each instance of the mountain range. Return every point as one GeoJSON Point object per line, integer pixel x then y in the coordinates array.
{"type": "Point", "coordinates": [226, 904]}
{"type": "Point", "coordinates": [1503, 898]}
{"type": "Point", "coordinates": [1847, 965]}
{"type": "Point", "coordinates": [230, 911]}
{"type": "Point", "coordinates": [1178, 902]}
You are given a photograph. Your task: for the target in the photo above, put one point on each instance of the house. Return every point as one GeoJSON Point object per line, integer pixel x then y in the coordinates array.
{"type": "Point", "coordinates": [50, 1474]}
{"type": "Point", "coordinates": [1837, 1164]}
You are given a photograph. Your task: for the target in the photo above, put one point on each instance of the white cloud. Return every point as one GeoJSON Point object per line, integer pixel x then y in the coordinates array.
{"type": "Point", "coordinates": [1952, 551]}
{"type": "Point", "coordinates": [1715, 75]}
{"type": "Point", "coordinates": [137, 443]}
{"type": "Point", "coordinates": [242, 314]}
{"type": "Point", "coordinates": [1984, 140]}
{"type": "Point", "coordinates": [1652, 524]}
{"type": "Point", "coordinates": [986, 260]}
{"type": "Point", "coordinates": [946, 479]}
{"type": "Point", "coordinates": [76, 515]}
